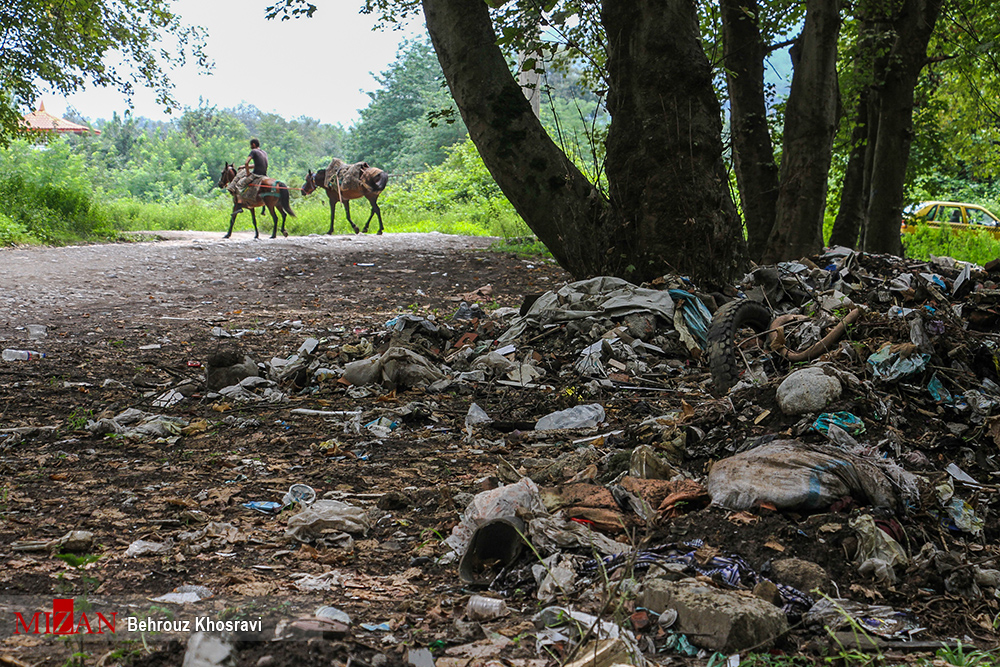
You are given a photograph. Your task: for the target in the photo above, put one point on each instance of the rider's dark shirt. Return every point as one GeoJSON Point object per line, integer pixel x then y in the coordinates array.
{"type": "Point", "coordinates": [259, 158]}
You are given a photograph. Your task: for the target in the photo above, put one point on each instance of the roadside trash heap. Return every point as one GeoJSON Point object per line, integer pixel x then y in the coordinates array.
{"type": "Point", "coordinates": [777, 463]}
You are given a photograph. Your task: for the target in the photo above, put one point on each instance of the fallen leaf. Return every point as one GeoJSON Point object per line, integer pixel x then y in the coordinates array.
{"type": "Point", "coordinates": [743, 518]}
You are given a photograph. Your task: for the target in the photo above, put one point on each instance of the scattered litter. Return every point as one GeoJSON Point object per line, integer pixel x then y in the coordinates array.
{"type": "Point", "coordinates": [317, 521]}
{"type": "Point", "coordinates": [185, 595]}
{"type": "Point", "coordinates": [481, 608]}
{"type": "Point", "coordinates": [579, 416]}
{"type": "Point", "coordinates": [147, 548]}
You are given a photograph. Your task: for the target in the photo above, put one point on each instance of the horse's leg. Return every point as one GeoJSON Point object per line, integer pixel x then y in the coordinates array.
{"type": "Point", "coordinates": [378, 212]}
{"type": "Point", "coordinates": [274, 216]}
{"type": "Point", "coordinates": [333, 212]}
{"type": "Point", "coordinates": [232, 218]}
{"type": "Point", "coordinates": [347, 212]}
{"type": "Point", "coordinates": [253, 216]}
{"type": "Point", "coordinates": [371, 200]}
{"type": "Point", "coordinates": [283, 232]}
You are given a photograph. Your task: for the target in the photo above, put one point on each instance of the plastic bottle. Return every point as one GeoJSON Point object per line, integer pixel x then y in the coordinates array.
{"type": "Point", "coordinates": [21, 355]}
{"type": "Point", "coordinates": [482, 608]}
{"type": "Point", "coordinates": [579, 416]}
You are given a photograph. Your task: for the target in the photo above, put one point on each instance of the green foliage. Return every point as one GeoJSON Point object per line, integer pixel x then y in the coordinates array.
{"type": "Point", "coordinates": [458, 192]}
{"type": "Point", "coordinates": [960, 656]}
{"type": "Point", "coordinates": [769, 660]}
{"type": "Point", "coordinates": [399, 130]}
{"type": "Point", "coordinates": [79, 562]}
{"type": "Point", "coordinates": [63, 46]}
{"type": "Point", "coordinates": [977, 245]}
{"type": "Point", "coordinates": [525, 245]}
{"type": "Point", "coordinates": [46, 196]}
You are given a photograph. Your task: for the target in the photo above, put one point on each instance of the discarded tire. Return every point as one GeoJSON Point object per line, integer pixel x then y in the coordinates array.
{"type": "Point", "coordinates": [723, 359]}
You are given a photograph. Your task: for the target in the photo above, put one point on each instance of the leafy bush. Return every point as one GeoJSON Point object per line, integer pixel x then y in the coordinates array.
{"type": "Point", "coordinates": [11, 232]}
{"type": "Point", "coordinates": [977, 246]}
{"type": "Point", "coordinates": [47, 193]}
{"type": "Point", "coordinates": [456, 194]}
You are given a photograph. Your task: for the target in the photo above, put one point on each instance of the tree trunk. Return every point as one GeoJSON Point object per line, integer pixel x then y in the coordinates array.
{"type": "Point", "coordinates": [753, 153]}
{"type": "Point", "coordinates": [874, 103]}
{"type": "Point", "coordinates": [869, 65]}
{"type": "Point", "coordinates": [666, 175]}
{"type": "Point", "coordinates": [670, 210]}
{"type": "Point", "coordinates": [557, 202]}
{"type": "Point", "coordinates": [895, 124]}
{"type": "Point", "coordinates": [810, 125]}
{"type": "Point", "coordinates": [853, 193]}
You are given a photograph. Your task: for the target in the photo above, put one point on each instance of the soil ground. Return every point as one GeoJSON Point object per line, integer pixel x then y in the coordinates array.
{"type": "Point", "coordinates": [126, 322]}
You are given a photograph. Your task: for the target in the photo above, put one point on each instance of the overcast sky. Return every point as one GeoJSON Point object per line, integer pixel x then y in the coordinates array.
{"type": "Point", "coordinates": [318, 67]}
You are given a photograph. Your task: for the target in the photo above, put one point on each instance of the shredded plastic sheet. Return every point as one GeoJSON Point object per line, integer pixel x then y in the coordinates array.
{"type": "Point", "coordinates": [892, 367]}
{"type": "Point", "coordinates": [881, 620]}
{"type": "Point", "coordinates": [325, 515]}
{"type": "Point", "coordinates": [697, 317]}
{"type": "Point", "coordinates": [603, 296]}
{"type": "Point", "coordinates": [957, 514]}
{"type": "Point", "coordinates": [845, 420]}
{"type": "Point", "coordinates": [939, 391]}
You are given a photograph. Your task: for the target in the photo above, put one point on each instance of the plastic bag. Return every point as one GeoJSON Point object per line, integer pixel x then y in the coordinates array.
{"type": "Point", "coordinates": [892, 366]}
{"type": "Point", "coordinates": [790, 475]}
{"type": "Point", "coordinates": [845, 420]}
{"type": "Point", "coordinates": [878, 554]}
{"type": "Point", "coordinates": [326, 515]}
{"type": "Point", "coordinates": [579, 416]}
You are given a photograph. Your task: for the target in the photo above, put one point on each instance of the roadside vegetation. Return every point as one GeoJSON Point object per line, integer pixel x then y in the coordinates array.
{"type": "Point", "coordinates": [142, 175]}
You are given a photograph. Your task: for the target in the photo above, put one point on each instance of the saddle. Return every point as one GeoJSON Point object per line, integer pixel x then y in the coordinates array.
{"type": "Point", "coordinates": [256, 187]}
{"type": "Point", "coordinates": [345, 176]}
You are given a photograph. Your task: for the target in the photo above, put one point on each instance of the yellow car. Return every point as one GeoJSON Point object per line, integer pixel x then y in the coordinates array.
{"type": "Point", "coordinates": [956, 215]}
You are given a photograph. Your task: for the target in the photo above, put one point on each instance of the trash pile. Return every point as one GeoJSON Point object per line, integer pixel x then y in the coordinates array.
{"type": "Point", "coordinates": [804, 461]}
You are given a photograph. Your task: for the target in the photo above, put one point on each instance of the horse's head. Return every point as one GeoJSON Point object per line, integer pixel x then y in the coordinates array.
{"type": "Point", "coordinates": [310, 184]}
{"type": "Point", "coordinates": [228, 174]}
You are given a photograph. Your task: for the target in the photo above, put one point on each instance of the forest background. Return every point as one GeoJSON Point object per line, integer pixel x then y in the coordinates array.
{"type": "Point", "coordinates": [139, 174]}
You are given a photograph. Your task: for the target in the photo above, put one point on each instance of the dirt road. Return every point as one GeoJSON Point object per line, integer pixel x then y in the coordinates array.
{"type": "Point", "coordinates": [199, 274]}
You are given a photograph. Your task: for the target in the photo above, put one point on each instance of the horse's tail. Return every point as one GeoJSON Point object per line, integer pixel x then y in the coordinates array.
{"type": "Point", "coordinates": [284, 201]}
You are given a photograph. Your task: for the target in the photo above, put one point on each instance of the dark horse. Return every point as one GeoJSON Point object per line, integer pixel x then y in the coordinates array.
{"type": "Point", "coordinates": [270, 193]}
{"type": "Point", "coordinates": [371, 184]}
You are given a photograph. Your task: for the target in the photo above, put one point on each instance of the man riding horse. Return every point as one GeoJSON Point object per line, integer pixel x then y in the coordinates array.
{"type": "Point", "coordinates": [244, 189]}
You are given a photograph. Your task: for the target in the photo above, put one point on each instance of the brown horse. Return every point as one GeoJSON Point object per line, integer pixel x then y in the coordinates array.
{"type": "Point", "coordinates": [270, 193]}
{"type": "Point", "coordinates": [372, 182]}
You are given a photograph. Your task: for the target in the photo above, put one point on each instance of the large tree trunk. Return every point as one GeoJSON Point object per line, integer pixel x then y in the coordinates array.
{"type": "Point", "coordinates": [557, 202]}
{"type": "Point", "coordinates": [871, 141]}
{"type": "Point", "coordinates": [895, 124]}
{"type": "Point", "coordinates": [810, 125]}
{"type": "Point", "coordinates": [664, 161]}
{"type": "Point", "coordinates": [853, 192]}
{"type": "Point", "coordinates": [671, 210]}
{"type": "Point", "coordinates": [753, 153]}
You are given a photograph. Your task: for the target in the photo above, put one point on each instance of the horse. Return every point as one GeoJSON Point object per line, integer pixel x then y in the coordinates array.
{"type": "Point", "coordinates": [270, 193]}
{"type": "Point", "coordinates": [370, 185]}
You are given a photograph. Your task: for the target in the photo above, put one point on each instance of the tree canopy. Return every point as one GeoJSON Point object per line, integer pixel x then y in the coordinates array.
{"type": "Point", "coordinates": [64, 44]}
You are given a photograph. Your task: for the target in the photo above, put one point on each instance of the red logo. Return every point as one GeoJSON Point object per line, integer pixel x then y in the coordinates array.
{"type": "Point", "coordinates": [62, 621]}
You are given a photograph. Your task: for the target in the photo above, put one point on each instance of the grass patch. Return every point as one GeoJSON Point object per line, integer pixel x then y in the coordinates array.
{"type": "Point", "coordinates": [312, 216]}
{"type": "Point", "coordinates": [977, 246]}
{"type": "Point", "coordinates": [522, 245]}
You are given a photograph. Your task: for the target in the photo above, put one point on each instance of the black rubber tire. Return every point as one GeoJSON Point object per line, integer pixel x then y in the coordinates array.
{"type": "Point", "coordinates": [723, 360]}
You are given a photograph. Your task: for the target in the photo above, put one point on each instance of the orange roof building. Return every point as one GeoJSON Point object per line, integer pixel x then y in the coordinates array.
{"type": "Point", "coordinates": [43, 121]}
